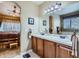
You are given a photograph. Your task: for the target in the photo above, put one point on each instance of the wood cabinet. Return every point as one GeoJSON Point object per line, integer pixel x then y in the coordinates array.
{"type": "Point", "coordinates": [40, 46]}
{"type": "Point", "coordinates": [62, 52]}
{"type": "Point", "coordinates": [57, 51]}
{"type": "Point", "coordinates": [49, 49]}
{"type": "Point", "coordinates": [34, 44]}
{"type": "Point", "coordinates": [37, 46]}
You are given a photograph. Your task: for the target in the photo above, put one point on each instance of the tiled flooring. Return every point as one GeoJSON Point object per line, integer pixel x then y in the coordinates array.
{"type": "Point", "coordinates": [15, 53]}
{"type": "Point", "coordinates": [9, 53]}
{"type": "Point", "coordinates": [32, 54]}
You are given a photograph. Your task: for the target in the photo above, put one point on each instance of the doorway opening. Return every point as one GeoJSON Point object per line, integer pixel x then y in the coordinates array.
{"type": "Point", "coordinates": [9, 29]}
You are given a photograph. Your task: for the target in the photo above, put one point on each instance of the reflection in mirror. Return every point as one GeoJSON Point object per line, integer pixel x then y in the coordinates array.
{"type": "Point", "coordinates": [0, 23]}
{"type": "Point", "coordinates": [50, 24]}
{"type": "Point", "coordinates": [70, 22]}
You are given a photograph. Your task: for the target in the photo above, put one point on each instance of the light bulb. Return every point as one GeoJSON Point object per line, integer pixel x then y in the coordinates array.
{"type": "Point", "coordinates": [48, 10]}
{"type": "Point", "coordinates": [52, 8]}
{"type": "Point", "coordinates": [56, 6]}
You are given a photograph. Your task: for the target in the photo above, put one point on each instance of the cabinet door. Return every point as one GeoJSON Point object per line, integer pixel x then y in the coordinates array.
{"type": "Point", "coordinates": [40, 47]}
{"type": "Point", "coordinates": [49, 49]}
{"type": "Point", "coordinates": [63, 52]}
{"type": "Point", "coordinates": [34, 44]}
{"type": "Point", "coordinates": [57, 51]}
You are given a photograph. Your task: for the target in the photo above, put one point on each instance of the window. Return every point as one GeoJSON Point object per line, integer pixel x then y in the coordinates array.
{"type": "Point", "coordinates": [66, 23]}
{"type": "Point", "coordinates": [7, 26]}
{"type": "Point", "coordinates": [75, 23]}
{"type": "Point", "coordinates": [70, 23]}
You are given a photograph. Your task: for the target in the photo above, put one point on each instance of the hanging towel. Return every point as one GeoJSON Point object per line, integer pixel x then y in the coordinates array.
{"type": "Point", "coordinates": [74, 45]}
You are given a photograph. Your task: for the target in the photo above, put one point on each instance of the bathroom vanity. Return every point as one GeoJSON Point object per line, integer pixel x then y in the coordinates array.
{"type": "Point", "coordinates": [51, 46]}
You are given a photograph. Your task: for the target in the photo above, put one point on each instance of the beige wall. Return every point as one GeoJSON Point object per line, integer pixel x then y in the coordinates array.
{"type": "Point", "coordinates": [28, 9]}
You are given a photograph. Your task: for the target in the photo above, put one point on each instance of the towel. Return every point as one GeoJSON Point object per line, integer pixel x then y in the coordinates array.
{"type": "Point", "coordinates": [74, 45]}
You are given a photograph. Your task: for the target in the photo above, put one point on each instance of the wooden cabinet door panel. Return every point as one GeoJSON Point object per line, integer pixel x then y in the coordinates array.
{"type": "Point", "coordinates": [49, 49]}
{"type": "Point", "coordinates": [57, 51]}
{"type": "Point", "coordinates": [64, 52]}
{"type": "Point", "coordinates": [34, 44]}
{"type": "Point", "coordinates": [40, 47]}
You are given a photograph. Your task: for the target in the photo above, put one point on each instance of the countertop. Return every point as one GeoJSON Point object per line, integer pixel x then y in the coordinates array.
{"type": "Point", "coordinates": [55, 38]}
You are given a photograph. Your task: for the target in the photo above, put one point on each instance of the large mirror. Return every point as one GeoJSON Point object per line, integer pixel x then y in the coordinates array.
{"type": "Point", "coordinates": [64, 19]}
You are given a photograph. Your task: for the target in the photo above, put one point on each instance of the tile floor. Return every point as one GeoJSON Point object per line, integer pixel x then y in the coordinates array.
{"type": "Point", "coordinates": [9, 53]}
{"type": "Point", "coordinates": [33, 55]}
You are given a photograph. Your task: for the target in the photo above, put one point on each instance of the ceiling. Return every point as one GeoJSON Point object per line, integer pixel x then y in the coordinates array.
{"type": "Point", "coordinates": [38, 2]}
{"type": "Point", "coordinates": [7, 8]}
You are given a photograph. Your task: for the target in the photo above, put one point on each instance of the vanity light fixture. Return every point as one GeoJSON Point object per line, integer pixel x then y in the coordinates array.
{"type": "Point", "coordinates": [53, 8]}
{"type": "Point", "coordinates": [48, 10]}
{"type": "Point", "coordinates": [57, 5]}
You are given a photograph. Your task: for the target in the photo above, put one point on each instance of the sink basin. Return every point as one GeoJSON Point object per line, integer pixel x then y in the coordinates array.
{"type": "Point", "coordinates": [62, 37]}
{"type": "Point", "coordinates": [42, 34]}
